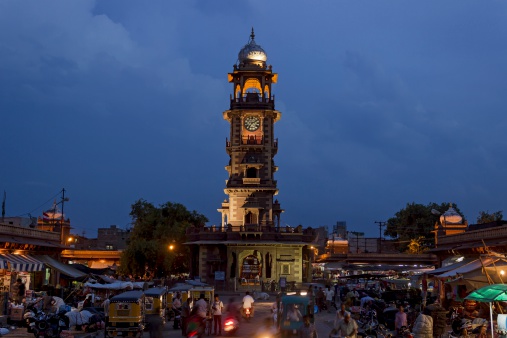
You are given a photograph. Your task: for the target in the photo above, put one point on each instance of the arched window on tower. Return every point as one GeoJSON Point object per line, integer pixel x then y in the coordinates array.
{"type": "Point", "coordinates": [251, 173]}
{"type": "Point", "coordinates": [238, 91]}
{"type": "Point", "coordinates": [250, 218]}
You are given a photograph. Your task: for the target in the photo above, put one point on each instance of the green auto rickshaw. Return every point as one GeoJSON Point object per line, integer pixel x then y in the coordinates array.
{"type": "Point", "coordinates": [294, 309]}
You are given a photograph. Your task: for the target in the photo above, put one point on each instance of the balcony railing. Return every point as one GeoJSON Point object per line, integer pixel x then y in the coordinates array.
{"type": "Point", "coordinates": [477, 235]}
{"type": "Point", "coordinates": [252, 140]}
{"type": "Point", "coordinates": [251, 180]}
{"type": "Point", "coordinates": [6, 229]}
{"type": "Point", "coordinates": [254, 101]}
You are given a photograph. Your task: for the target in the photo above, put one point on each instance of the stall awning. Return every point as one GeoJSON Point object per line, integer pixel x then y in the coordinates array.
{"type": "Point", "coordinates": [20, 263]}
{"type": "Point", "coordinates": [450, 267]}
{"type": "Point", "coordinates": [61, 267]}
{"type": "Point", "coordinates": [475, 265]}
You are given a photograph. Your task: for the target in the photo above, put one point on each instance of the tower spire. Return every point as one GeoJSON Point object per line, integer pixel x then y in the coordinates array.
{"type": "Point", "coordinates": [252, 35]}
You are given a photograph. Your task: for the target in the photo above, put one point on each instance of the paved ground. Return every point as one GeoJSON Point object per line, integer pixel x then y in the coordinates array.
{"type": "Point", "coordinates": [323, 322]}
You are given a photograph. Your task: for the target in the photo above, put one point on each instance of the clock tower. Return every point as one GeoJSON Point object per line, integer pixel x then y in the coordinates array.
{"type": "Point", "coordinates": [249, 248]}
{"type": "Point", "coordinates": [251, 145]}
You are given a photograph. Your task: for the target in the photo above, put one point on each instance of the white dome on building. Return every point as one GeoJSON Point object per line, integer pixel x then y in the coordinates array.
{"type": "Point", "coordinates": [252, 52]}
{"type": "Point", "coordinates": [451, 216]}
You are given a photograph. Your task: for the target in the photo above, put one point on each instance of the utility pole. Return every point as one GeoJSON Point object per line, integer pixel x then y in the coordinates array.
{"type": "Point", "coordinates": [380, 225]}
{"type": "Point", "coordinates": [357, 234]}
{"type": "Point", "coordinates": [62, 241]}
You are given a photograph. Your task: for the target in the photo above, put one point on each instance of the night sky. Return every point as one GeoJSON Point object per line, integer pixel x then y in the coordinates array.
{"type": "Point", "coordinates": [383, 103]}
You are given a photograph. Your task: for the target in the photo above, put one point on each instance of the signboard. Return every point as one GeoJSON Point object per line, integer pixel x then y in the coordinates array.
{"type": "Point", "coordinates": [283, 282]}
{"type": "Point", "coordinates": [219, 275]}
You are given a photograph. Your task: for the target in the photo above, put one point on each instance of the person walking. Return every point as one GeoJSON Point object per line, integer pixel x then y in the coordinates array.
{"type": "Point", "coordinates": [217, 309]}
{"type": "Point", "coordinates": [320, 298]}
{"type": "Point", "coordinates": [329, 299]}
{"type": "Point", "coordinates": [347, 327]}
{"type": "Point", "coordinates": [340, 314]}
{"type": "Point", "coordinates": [308, 329]}
{"type": "Point", "coordinates": [185, 313]}
{"type": "Point", "coordinates": [400, 319]}
{"type": "Point", "coordinates": [105, 306]}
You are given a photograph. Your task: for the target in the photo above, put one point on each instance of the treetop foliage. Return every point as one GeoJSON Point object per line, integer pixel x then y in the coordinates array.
{"type": "Point", "coordinates": [155, 228]}
{"type": "Point", "coordinates": [486, 217]}
{"type": "Point", "coordinates": [416, 222]}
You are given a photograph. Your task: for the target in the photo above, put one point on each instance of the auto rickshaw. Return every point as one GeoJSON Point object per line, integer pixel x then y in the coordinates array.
{"type": "Point", "coordinates": [294, 309]}
{"type": "Point", "coordinates": [156, 302]}
{"type": "Point", "coordinates": [171, 294]}
{"type": "Point", "coordinates": [126, 315]}
{"type": "Point", "coordinates": [209, 297]}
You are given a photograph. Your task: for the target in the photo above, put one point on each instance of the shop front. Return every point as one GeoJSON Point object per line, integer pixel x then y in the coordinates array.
{"type": "Point", "coordinates": [13, 268]}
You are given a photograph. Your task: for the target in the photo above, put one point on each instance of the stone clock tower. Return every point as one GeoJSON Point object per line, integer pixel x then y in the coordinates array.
{"type": "Point", "coordinates": [250, 250]}
{"type": "Point", "coordinates": [251, 145]}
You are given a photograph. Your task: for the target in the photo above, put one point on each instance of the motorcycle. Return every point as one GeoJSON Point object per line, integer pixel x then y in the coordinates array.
{"type": "Point", "coordinates": [31, 316]}
{"type": "Point", "coordinates": [404, 332]}
{"type": "Point", "coordinates": [177, 319]}
{"type": "Point", "coordinates": [231, 325]}
{"type": "Point", "coordinates": [463, 327]}
{"type": "Point", "coordinates": [51, 325]}
{"type": "Point", "coordinates": [247, 313]}
{"type": "Point", "coordinates": [195, 327]}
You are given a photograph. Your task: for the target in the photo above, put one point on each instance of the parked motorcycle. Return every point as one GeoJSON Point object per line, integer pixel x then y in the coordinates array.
{"type": "Point", "coordinates": [404, 332]}
{"type": "Point", "coordinates": [463, 327]}
{"type": "Point", "coordinates": [50, 325]}
{"type": "Point", "coordinates": [31, 316]}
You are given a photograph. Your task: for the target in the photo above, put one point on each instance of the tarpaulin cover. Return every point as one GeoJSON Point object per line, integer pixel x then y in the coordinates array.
{"type": "Point", "coordinates": [490, 293]}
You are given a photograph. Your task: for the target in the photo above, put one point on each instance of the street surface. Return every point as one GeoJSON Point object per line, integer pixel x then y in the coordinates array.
{"type": "Point", "coordinates": [323, 323]}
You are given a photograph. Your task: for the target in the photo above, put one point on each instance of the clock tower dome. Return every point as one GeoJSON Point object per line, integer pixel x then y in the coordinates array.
{"type": "Point", "coordinates": [251, 144]}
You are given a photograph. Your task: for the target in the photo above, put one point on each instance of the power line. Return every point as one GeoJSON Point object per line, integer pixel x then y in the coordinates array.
{"type": "Point", "coordinates": [40, 206]}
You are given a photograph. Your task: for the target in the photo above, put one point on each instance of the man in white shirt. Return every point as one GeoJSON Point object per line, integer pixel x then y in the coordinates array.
{"type": "Point", "coordinates": [248, 302]}
{"type": "Point", "coordinates": [202, 306]}
{"type": "Point", "coordinates": [329, 298]}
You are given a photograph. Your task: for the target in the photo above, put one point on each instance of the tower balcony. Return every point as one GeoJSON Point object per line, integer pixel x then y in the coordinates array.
{"type": "Point", "coordinates": [251, 141]}
{"type": "Point", "coordinates": [253, 101]}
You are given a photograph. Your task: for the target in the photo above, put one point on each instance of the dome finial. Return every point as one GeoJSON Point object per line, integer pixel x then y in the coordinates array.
{"type": "Point", "coordinates": [252, 36]}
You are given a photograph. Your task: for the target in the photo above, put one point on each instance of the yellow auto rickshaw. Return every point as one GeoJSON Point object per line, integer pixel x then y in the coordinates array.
{"type": "Point", "coordinates": [156, 302]}
{"type": "Point", "coordinates": [126, 315]}
{"type": "Point", "coordinates": [209, 297]}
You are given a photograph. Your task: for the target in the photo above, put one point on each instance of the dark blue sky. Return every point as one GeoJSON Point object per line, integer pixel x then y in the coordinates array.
{"type": "Point", "coordinates": [383, 103]}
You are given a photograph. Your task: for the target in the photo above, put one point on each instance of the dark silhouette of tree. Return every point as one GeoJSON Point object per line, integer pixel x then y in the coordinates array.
{"type": "Point", "coordinates": [156, 242]}
{"type": "Point", "coordinates": [415, 222]}
{"type": "Point", "coordinates": [486, 217]}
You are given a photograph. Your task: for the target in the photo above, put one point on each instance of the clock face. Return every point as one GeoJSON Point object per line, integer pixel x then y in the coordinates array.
{"type": "Point", "coordinates": [252, 123]}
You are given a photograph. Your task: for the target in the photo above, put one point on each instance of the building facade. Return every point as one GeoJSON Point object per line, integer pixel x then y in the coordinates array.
{"type": "Point", "coordinates": [250, 246]}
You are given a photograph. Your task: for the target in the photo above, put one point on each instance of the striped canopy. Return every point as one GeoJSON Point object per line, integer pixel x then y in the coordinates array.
{"type": "Point", "coordinates": [20, 263]}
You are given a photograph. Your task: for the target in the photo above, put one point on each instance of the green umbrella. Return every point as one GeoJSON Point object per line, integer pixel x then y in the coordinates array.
{"type": "Point", "coordinates": [490, 293]}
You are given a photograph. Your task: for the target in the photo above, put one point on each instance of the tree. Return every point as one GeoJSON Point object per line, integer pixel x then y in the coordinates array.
{"type": "Point", "coordinates": [416, 246]}
{"type": "Point", "coordinates": [415, 221]}
{"type": "Point", "coordinates": [486, 217]}
{"type": "Point", "coordinates": [156, 242]}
